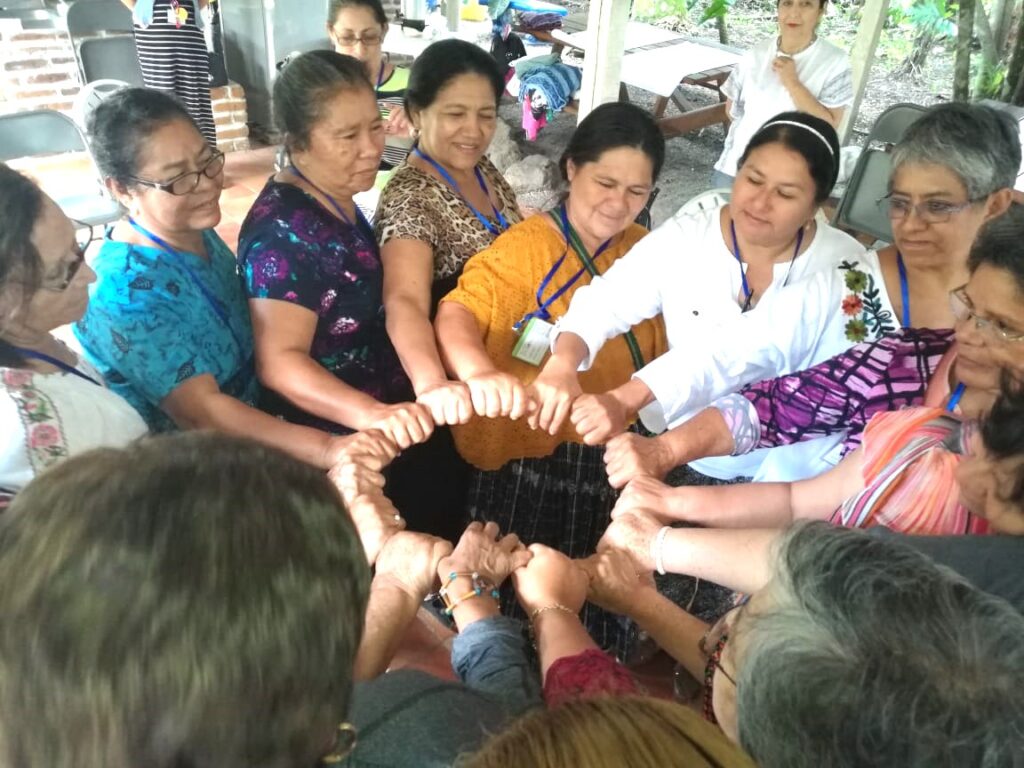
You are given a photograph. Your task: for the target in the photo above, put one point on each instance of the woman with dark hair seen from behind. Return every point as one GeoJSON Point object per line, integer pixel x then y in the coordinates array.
{"type": "Point", "coordinates": [547, 487]}
{"type": "Point", "coordinates": [357, 28]}
{"type": "Point", "coordinates": [734, 259]}
{"type": "Point", "coordinates": [167, 324]}
{"type": "Point", "coordinates": [53, 404]}
{"type": "Point", "coordinates": [796, 70]}
{"type": "Point", "coordinates": [445, 204]}
{"type": "Point", "coordinates": [314, 280]}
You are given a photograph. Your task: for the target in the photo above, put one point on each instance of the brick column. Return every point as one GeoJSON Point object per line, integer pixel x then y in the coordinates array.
{"type": "Point", "coordinates": [230, 116]}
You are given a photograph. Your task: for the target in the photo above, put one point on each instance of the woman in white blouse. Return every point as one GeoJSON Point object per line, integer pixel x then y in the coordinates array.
{"type": "Point", "coordinates": [700, 271]}
{"type": "Point", "coordinates": [53, 404]}
{"type": "Point", "coordinates": [951, 173]}
{"type": "Point", "coordinates": [796, 70]}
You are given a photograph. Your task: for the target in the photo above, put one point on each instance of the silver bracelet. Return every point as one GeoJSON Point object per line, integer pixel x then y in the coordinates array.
{"type": "Point", "coordinates": [658, 549]}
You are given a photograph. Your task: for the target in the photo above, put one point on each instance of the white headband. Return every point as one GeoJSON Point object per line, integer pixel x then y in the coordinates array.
{"type": "Point", "coordinates": [806, 128]}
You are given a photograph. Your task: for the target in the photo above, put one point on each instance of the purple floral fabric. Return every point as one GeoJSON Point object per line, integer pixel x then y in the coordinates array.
{"type": "Point", "coordinates": [292, 249]}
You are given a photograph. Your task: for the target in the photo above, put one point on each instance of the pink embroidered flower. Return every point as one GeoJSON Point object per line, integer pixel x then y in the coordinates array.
{"type": "Point", "coordinates": [291, 296]}
{"type": "Point", "coordinates": [852, 305]}
{"type": "Point", "coordinates": [31, 406]}
{"type": "Point", "coordinates": [43, 436]}
{"type": "Point", "coordinates": [17, 378]}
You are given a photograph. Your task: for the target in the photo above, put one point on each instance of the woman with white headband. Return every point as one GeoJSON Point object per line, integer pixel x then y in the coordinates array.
{"type": "Point", "coordinates": [796, 70]}
{"type": "Point", "coordinates": [701, 272]}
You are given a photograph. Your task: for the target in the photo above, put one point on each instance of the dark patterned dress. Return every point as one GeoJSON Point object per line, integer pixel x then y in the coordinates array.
{"type": "Point", "coordinates": [293, 249]}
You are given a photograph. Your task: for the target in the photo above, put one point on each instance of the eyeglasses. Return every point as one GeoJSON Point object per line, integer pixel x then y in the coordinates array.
{"type": "Point", "coordinates": [344, 743]}
{"type": "Point", "coordinates": [368, 39]}
{"type": "Point", "coordinates": [83, 236]}
{"type": "Point", "coordinates": [186, 183]}
{"type": "Point", "coordinates": [963, 310]}
{"type": "Point", "coordinates": [712, 643]}
{"type": "Point", "coordinates": [928, 211]}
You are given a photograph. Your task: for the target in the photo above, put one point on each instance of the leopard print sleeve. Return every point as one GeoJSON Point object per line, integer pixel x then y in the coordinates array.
{"type": "Point", "coordinates": [405, 211]}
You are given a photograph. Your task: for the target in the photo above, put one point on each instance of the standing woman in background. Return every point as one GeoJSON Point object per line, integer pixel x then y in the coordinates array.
{"type": "Point", "coordinates": [173, 56]}
{"type": "Point", "coordinates": [357, 28]}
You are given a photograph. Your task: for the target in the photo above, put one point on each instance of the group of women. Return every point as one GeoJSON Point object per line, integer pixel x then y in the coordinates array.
{"type": "Point", "coordinates": [493, 365]}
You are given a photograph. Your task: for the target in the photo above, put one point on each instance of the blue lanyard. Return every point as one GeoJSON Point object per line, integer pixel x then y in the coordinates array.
{"type": "Point", "coordinates": [954, 399]}
{"type": "Point", "coordinates": [904, 289]}
{"type": "Point", "coordinates": [488, 225]}
{"type": "Point", "coordinates": [380, 79]}
{"type": "Point", "coordinates": [542, 306]}
{"type": "Point", "coordinates": [747, 293]}
{"type": "Point", "coordinates": [214, 303]}
{"type": "Point", "coordinates": [362, 222]}
{"type": "Point", "coordinates": [56, 362]}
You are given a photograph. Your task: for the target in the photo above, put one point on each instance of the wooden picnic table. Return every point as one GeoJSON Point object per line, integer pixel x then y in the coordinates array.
{"type": "Point", "coordinates": [712, 78]}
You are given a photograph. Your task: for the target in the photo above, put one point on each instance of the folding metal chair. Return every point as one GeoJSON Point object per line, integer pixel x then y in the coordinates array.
{"type": "Point", "coordinates": [46, 132]}
{"type": "Point", "coordinates": [858, 209]}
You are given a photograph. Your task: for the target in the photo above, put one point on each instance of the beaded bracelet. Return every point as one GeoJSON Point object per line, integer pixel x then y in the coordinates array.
{"type": "Point", "coordinates": [479, 587]}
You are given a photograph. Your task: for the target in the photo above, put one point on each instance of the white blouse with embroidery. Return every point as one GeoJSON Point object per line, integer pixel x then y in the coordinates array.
{"type": "Point", "coordinates": [47, 417]}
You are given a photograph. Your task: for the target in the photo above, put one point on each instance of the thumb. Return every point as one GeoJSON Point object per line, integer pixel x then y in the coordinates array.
{"type": "Point", "coordinates": [521, 559]}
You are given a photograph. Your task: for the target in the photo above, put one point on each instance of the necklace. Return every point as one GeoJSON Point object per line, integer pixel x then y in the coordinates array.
{"type": "Point", "coordinates": [801, 49]}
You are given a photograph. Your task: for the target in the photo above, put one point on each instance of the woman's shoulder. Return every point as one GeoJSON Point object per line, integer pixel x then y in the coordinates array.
{"type": "Point", "coordinates": [836, 243]}
{"type": "Point", "coordinates": [826, 49]}
{"type": "Point", "coordinates": [531, 235]}
{"type": "Point", "coordinates": [397, 83]}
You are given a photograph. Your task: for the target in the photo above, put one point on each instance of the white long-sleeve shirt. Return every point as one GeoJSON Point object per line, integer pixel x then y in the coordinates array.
{"type": "Point", "coordinates": [684, 271]}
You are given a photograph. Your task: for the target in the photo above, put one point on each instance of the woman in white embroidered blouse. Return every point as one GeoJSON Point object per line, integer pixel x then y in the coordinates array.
{"type": "Point", "coordinates": [701, 272]}
{"type": "Point", "coordinates": [952, 172]}
{"type": "Point", "coordinates": [53, 404]}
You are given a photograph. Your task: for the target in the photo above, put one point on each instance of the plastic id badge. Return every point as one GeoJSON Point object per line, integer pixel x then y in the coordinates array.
{"type": "Point", "coordinates": [534, 341]}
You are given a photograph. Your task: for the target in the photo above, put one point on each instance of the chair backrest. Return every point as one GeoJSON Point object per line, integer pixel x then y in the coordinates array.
{"type": "Point", "coordinates": [110, 58]}
{"type": "Point", "coordinates": [91, 17]}
{"type": "Point", "coordinates": [705, 201]}
{"type": "Point", "coordinates": [39, 132]}
{"type": "Point", "coordinates": [858, 209]}
{"type": "Point", "coordinates": [893, 123]}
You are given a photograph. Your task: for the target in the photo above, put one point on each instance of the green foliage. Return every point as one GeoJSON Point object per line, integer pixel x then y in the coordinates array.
{"type": "Point", "coordinates": [922, 15]}
{"type": "Point", "coordinates": [654, 10]}
{"type": "Point", "coordinates": [716, 9]}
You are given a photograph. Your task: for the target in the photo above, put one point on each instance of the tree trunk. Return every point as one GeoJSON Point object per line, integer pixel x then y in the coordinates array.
{"type": "Point", "coordinates": [1016, 64]}
{"type": "Point", "coordinates": [962, 63]}
{"type": "Point", "coordinates": [923, 44]}
{"type": "Point", "coordinates": [989, 54]}
{"type": "Point", "coordinates": [723, 31]}
{"type": "Point", "coordinates": [1001, 17]}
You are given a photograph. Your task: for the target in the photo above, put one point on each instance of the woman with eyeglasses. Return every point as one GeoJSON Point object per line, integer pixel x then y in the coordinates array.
{"type": "Point", "coordinates": [167, 323]}
{"type": "Point", "coordinates": [900, 469]}
{"type": "Point", "coordinates": [357, 28]}
{"type": "Point", "coordinates": [53, 404]}
{"type": "Point", "coordinates": [952, 172]}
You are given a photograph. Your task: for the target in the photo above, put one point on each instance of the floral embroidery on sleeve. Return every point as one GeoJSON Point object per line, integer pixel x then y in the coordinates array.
{"type": "Point", "coordinates": [45, 442]}
{"type": "Point", "coordinates": [863, 305]}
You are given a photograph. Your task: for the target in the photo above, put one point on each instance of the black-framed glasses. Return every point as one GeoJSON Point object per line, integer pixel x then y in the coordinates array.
{"type": "Point", "coordinates": [368, 39]}
{"type": "Point", "coordinates": [963, 310]}
{"type": "Point", "coordinates": [929, 211]}
{"type": "Point", "coordinates": [186, 183]}
{"type": "Point", "coordinates": [69, 269]}
{"type": "Point", "coordinates": [344, 743]}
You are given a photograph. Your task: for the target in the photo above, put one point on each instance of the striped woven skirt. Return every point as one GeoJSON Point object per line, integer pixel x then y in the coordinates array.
{"type": "Point", "coordinates": [175, 59]}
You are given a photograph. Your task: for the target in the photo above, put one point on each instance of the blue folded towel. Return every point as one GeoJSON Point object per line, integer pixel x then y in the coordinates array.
{"type": "Point", "coordinates": [556, 84]}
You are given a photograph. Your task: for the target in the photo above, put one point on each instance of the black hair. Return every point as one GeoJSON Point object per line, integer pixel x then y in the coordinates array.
{"type": "Point", "coordinates": [441, 63]}
{"type": "Point", "coordinates": [821, 3]}
{"type": "Point", "coordinates": [610, 126]}
{"type": "Point", "coordinates": [123, 122]}
{"type": "Point", "coordinates": [812, 138]}
{"type": "Point", "coordinates": [1002, 434]}
{"type": "Point", "coordinates": [1000, 243]}
{"type": "Point", "coordinates": [306, 85]}
{"type": "Point", "coordinates": [21, 205]}
{"type": "Point", "coordinates": [334, 7]}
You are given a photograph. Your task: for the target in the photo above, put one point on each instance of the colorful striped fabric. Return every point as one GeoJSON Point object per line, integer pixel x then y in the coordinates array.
{"type": "Point", "coordinates": [910, 486]}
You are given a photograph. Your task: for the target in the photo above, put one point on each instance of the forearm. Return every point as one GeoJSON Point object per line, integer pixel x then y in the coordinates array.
{"type": "Point", "coordinates": [743, 505]}
{"type": "Point", "coordinates": [672, 628]}
{"type": "Point", "coordinates": [736, 559]}
{"type": "Point", "coordinates": [633, 395]}
{"type": "Point", "coordinates": [805, 102]}
{"type": "Point", "coordinates": [413, 338]}
{"type": "Point", "coordinates": [460, 343]}
{"type": "Point", "coordinates": [308, 385]}
{"type": "Point", "coordinates": [568, 352]}
{"type": "Point", "coordinates": [559, 634]}
{"type": "Point", "coordinates": [129, 4]}
{"type": "Point", "coordinates": [227, 414]}
{"type": "Point", "coordinates": [706, 434]}
{"type": "Point", "coordinates": [389, 613]}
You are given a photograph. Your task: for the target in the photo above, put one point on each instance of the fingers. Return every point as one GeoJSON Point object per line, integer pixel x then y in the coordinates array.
{"type": "Point", "coordinates": [520, 559]}
{"type": "Point", "coordinates": [491, 530]}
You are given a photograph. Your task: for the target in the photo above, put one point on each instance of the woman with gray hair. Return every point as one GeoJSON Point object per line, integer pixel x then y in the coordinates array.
{"type": "Point", "coordinates": [952, 172]}
{"type": "Point", "coordinates": [859, 651]}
